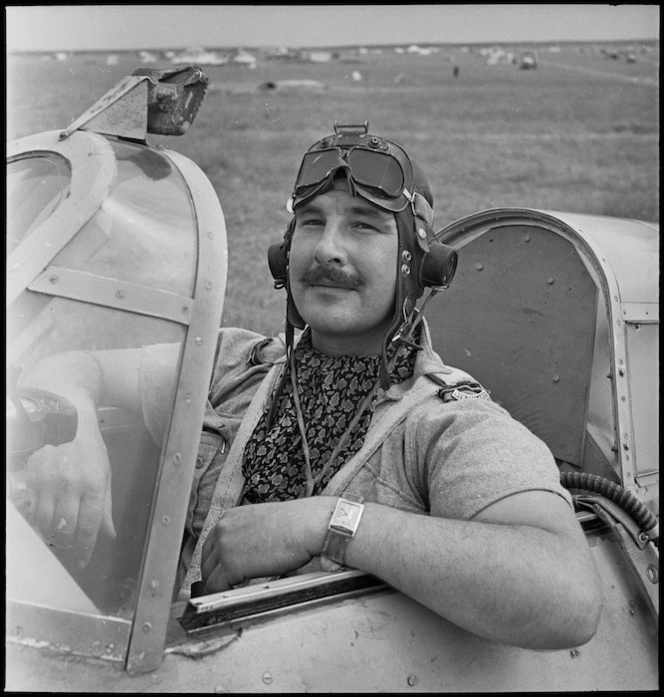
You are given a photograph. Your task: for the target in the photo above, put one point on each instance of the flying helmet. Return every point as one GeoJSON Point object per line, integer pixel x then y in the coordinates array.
{"type": "Point", "coordinates": [381, 172]}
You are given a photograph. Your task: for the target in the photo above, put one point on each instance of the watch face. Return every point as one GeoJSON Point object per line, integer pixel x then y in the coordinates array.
{"type": "Point", "coordinates": [347, 515]}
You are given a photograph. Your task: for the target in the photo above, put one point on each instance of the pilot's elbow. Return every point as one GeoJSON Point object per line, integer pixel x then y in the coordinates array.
{"type": "Point", "coordinates": [592, 616]}
{"type": "Point", "coordinates": [572, 620]}
{"type": "Point", "coordinates": [585, 607]}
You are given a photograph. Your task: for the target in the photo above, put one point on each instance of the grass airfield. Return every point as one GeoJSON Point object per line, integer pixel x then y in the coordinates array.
{"type": "Point", "coordinates": [579, 133]}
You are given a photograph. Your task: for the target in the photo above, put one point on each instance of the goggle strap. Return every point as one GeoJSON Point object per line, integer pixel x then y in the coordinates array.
{"type": "Point", "coordinates": [421, 208]}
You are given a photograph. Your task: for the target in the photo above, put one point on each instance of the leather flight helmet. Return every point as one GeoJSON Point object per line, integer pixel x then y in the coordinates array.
{"type": "Point", "coordinates": [381, 172]}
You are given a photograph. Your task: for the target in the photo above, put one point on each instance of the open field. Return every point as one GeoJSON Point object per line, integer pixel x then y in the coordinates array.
{"type": "Point", "coordinates": [580, 133]}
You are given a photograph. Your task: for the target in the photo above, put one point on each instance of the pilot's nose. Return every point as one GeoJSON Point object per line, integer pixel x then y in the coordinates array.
{"type": "Point", "coordinates": [330, 247]}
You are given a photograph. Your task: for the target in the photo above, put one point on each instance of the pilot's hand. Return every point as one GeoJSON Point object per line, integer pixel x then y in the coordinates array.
{"type": "Point", "coordinates": [64, 492]}
{"type": "Point", "coordinates": [264, 539]}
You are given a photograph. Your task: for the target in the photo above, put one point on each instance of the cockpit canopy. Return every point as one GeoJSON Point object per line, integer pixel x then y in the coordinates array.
{"type": "Point", "coordinates": [111, 244]}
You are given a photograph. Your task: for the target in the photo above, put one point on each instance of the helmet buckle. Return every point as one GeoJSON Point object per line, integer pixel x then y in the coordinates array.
{"type": "Point", "coordinates": [351, 128]}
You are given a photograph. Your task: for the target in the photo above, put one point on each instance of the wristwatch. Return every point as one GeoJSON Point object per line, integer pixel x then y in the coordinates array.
{"type": "Point", "coordinates": [342, 527]}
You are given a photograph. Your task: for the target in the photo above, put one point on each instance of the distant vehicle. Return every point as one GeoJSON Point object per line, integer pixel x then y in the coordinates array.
{"type": "Point", "coordinates": [113, 243]}
{"type": "Point", "coordinates": [528, 60]}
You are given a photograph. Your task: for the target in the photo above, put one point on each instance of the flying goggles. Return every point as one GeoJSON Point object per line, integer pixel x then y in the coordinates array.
{"type": "Point", "coordinates": [377, 170]}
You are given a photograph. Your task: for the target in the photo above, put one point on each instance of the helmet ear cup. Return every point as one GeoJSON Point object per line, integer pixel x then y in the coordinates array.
{"type": "Point", "coordinates": [438, 265]}
{"type": "Point", "coordinates": [277, 256]}
{"type": "Point", "coordinates": [277, 259]}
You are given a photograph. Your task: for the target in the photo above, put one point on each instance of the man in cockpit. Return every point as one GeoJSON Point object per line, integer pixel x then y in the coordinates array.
{"type": "Point", "coordinates": [348, 442]}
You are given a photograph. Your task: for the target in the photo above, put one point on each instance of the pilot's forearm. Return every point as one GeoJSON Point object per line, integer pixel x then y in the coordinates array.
{"type": "Point", "coordinates": [102, 377]}
{"type": "Point", "coordinates": [514, 583]}
{"type": "Point", "coordinates": [518, 585]}
{"type": "Point", "coordinates": [74, 374]}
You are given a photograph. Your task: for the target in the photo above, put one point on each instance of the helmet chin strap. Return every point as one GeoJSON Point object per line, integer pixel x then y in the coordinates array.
{"type": "Point", "coordinates": [403, 336]}
{"type": "Point", "coordinates": [405, 316]}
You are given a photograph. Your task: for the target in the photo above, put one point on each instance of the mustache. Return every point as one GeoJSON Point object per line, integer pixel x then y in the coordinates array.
{"type": "Point", "coordinates": [332, 274]}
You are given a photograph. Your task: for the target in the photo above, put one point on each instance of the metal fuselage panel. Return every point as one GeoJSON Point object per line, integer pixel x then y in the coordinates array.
{"type": "Point", "coordinates": [520, 318]}
{"type": "Point", "coordinates": [558, 315]}
{"type": "Point", "coordinates": [379, 642]}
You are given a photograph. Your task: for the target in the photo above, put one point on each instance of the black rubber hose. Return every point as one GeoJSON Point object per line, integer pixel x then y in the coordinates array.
{"type": "Point", "coordinates": [628, 502]}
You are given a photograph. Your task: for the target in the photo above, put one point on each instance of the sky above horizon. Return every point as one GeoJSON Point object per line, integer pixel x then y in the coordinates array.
{"type": "Point", "coordinates": [117, 27]}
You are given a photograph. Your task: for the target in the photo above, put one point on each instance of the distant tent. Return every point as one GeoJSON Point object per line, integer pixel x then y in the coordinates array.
{"type": "Point", "coordinates": [200, 56]}
{"type": "Point", "coordinates": [320, 56]}
{"type": "Point", "coordinates": [243, 57]}
{"type": "Point", "coordinates": [147, 57]}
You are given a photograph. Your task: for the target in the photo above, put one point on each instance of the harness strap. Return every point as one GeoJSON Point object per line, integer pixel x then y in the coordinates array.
{"type": "Point", "coordinates": [384, 421]}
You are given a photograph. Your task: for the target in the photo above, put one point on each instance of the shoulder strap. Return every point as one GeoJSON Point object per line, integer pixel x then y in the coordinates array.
{"type": "Point", "coordinates": [455, 383]}
{"type": "Point", "coordinates": [382, 424]}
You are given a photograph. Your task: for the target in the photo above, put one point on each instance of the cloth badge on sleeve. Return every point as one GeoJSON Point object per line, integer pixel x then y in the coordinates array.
{"type": "Point", "coordinates": [465, 389]}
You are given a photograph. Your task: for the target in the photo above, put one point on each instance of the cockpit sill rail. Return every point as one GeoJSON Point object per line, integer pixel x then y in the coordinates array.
{"type": "Point", "coordinates": [266, 599]}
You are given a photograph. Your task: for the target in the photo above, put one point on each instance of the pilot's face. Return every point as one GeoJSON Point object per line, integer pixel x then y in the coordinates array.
{"type": "Point", "coordinates": [343, 271]}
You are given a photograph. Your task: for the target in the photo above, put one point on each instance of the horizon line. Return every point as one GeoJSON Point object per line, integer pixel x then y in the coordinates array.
{"type": "Point", "coordinates": [16, 50]}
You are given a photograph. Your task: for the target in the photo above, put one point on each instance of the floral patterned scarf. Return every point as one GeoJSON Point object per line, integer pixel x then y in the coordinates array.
{"type": "Point", "coordinates": [331, 389]}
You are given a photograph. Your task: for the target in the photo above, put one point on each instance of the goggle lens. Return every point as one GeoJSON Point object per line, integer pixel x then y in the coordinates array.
{"type": "Point", "coordinates": [376, 170]}
{"type": "Point", "coordinates": [316, 167]}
